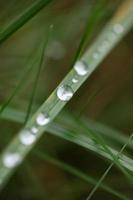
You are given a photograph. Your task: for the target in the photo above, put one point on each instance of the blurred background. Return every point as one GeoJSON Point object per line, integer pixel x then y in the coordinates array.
{"type": "Point", "coordinates": [106, 97]}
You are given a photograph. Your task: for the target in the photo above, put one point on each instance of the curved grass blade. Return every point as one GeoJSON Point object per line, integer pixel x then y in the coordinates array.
{"type": "Point", "coordinates": [41, 61]}
{"type": "Point", "coordinates": [76, 135]}
{"type": "Point", "coordinates": [107, 171]}
{"type": "Point", "coordinates": [21, 82]}
{"type": "Point", "coordinates": [78, 173]}
{"type": "Point", "coordinates": [119, 26]}
{"type": "Point", "coordinates": [22, 19]}
{"type": "Point", "coordinates": [92, 21]}
{"type": "Point", "coordinates": [99, 140]}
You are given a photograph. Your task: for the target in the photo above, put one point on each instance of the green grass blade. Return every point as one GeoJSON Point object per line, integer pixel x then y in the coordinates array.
{"type": "Point", "coordinates": [119, 26]}
{"type": "Point", "coordinates": [100, 140]}
{"type": "Point", "coordinates": [107, 171]}
{"type": "Point", "coordinates": [76, 135]}
{"type": "Point", "coordinates": [22, 19]}
{"type": "Point", "coordinates": [20, 84]}
{"type": "Point", "coordinates": [78, 173]}
{"type": "Point", "coordinates": [97, 14]}
{"type": "Point", "coordinates": [41, 61]}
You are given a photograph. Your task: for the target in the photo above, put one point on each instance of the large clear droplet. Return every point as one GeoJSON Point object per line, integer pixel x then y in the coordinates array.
{"type": "Point", "coordinates": [11, 160]}
{"type": "Point", "coordinates": [42, 119]}
{"type": "Point", "coordinates": [65, 93]}
{"type": "Point", "coordinates": [26, 137]}
{"type": "Point", "coordinates": [81, 68]}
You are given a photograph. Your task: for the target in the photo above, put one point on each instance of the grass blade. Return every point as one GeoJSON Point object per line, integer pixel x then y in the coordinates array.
{"type": "Point", "coordinates": [107, 171]}
{"type": "Point", "coordinates": [76, 135]}
{"type": "Point", "coordinates": [22, 19]}
{"type": "Point", "coordinates": [41, 60]}
{"type": "Point", "coordinates": [78, 173]}
{"type": "Point", "coordinates": [119, 26]}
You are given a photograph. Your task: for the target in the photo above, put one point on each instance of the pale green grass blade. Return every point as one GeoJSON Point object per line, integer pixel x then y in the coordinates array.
{"type": "Point", "coordinates": [107, 171]}
{"type": "Point", "coordinates": [78, 173]}
{"type": "Point", "coordinates": [14, 115]}
{"type": "Point", "coordinates": [119, 27]}
{"type": "Point", "coordinates": [77, 135]}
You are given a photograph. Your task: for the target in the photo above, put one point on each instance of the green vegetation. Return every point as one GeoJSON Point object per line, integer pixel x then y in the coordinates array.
{"type": "Point", "coordinates": [33, 100]}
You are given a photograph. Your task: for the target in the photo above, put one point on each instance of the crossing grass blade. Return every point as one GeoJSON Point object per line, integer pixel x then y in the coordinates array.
{"type": "Point", "coordinates": [107, 171]}
{"type": "Point", "coordinates": [97, 14]}
{"type": "Point", "coordinates": [79, 136]}
{"type": "Point", "coordinates": [78, 173]}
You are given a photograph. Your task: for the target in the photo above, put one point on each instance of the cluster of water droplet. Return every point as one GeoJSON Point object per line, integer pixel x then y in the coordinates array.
{"type": "Point", "coordinates": [26, 137]}
{"type": "Point", "coordinates": [64, 93]}
{"type": "Point", "coordinates": [112, 35]}
{"type": "Point", "coordinates": [81, 69]}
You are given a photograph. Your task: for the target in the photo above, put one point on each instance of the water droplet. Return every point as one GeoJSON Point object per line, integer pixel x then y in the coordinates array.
{"type": "Point", "coordinates": [95, 55]}
{"type": "Point", "coordinates": [81, 68]}
{"type": "Point", "coordinates": [74, 80]}
{"type": "Point", "coordinates": [118, 28]}
{"type": "Point", "coordinates": [34, 130]}
{"type": "Point", "coordinates": [103, 46]}
{"type": "Point", "coordinates": [64, 93]}
{"type": "Point", "coordinates": [26, 137]}
{"type": "Point", "coordinates": [42, 119]}
{"type": "Point", "coordinates": [11, 160]}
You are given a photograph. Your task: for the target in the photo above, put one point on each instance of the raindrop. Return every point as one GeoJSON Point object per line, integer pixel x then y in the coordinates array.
{"type": "Point", "coordinates": [26, 137]}
{"type": "Point", "coordinates": [81, 68]}
{"type": "Point", "coordinates": [95, 55]}
{"type": "Point", "coordinates": [34, 130]}
{"type": "Point", "coordinates": [74, 80]}
{"type": "Point", "coordinates": [42, 119]}
{"type": "Point", "coordinates": [103, 46]}
{"type": "Point", "coordinates": [10, 160]}
{"type": "Point", "coordinates": [64, 92]}
{"type": "Point", "coordinates": [118, 28]}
